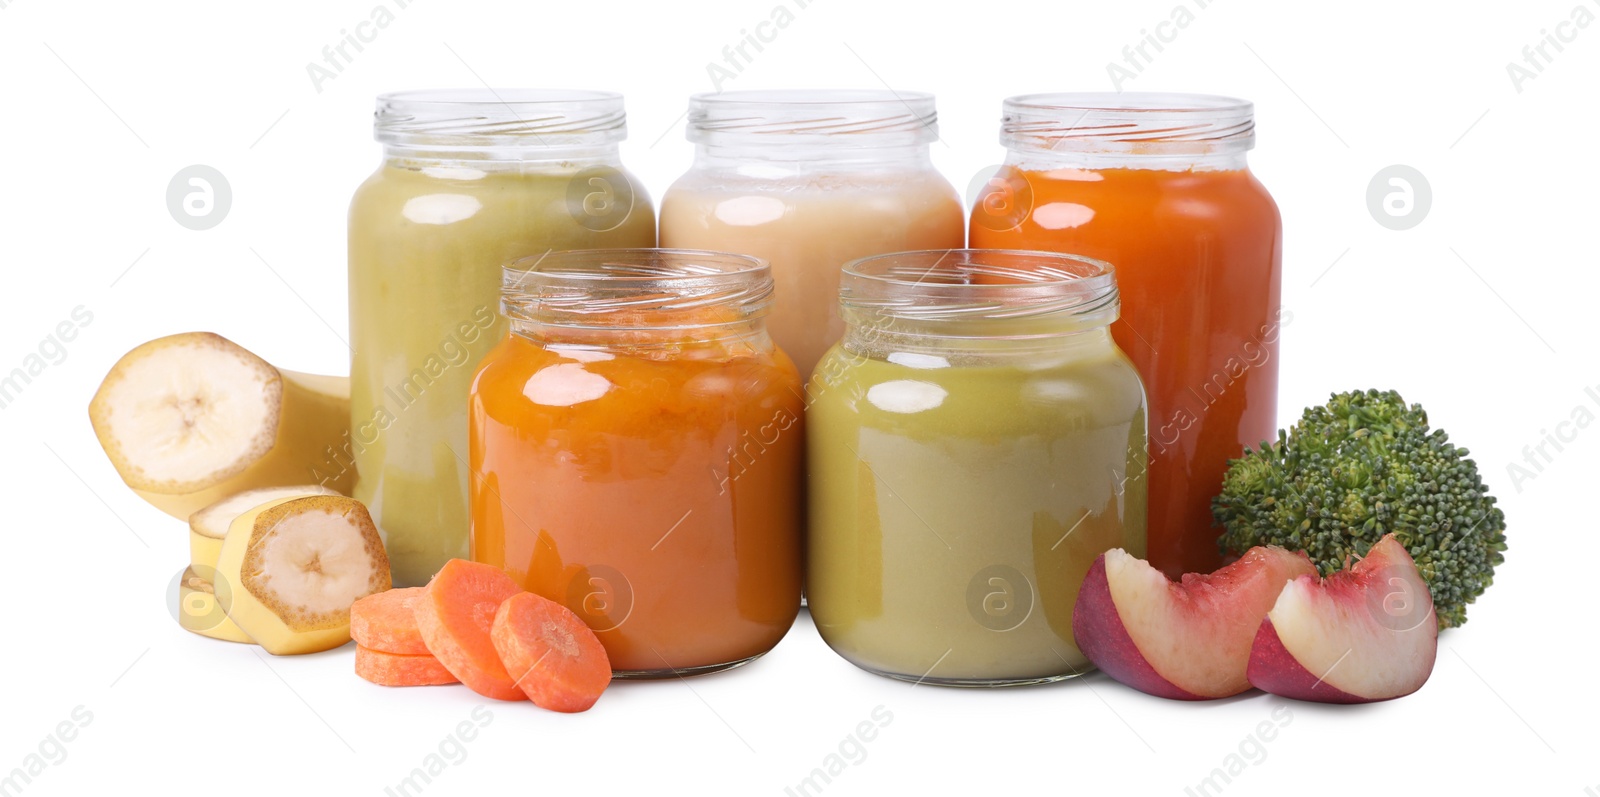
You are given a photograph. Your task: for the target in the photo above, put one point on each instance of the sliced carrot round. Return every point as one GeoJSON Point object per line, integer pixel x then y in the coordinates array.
{"type": "Point", "coordinates": [455, 616]}
{"type": "Point", "coordinates": [387, 622]}
{"type": "Point", "coordinates": [552, 654]}
{"type": "Point", "coordinates": [392, 669]}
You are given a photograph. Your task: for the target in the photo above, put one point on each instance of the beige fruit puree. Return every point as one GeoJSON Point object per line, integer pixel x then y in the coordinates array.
{"type": "Point", "coordinates": [811, 180]}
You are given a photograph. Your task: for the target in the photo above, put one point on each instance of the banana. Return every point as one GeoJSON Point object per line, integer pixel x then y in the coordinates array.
{"type": "Point", "coordinates": [190, 419]}
{"type": "Point", "coordinates": [289, 570]}
{"type": "Point", "coordinates": [209, 526]}
{"type": "Point", "coordinates": [199, 613]}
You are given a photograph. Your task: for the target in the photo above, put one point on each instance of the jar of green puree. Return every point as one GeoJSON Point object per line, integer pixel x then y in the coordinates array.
{"type": "Point", "coordinates": [974, 442]}
{"type": "Point", "coordinates": [470, 179]}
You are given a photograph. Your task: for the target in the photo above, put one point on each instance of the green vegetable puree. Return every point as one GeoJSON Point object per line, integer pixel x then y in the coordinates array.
{"type": "Point", "coordinates": [426, 246]}
{"type": "Point", "coordinates": [957, 503]}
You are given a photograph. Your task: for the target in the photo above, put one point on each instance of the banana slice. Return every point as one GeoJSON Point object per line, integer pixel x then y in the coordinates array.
{"type": "Point", "coordinates": [190, 419]}
{"type": "Point", "coordinates": [198, 612]}
{"type": "Point", "coordinates": [290, 568]}
{"type": "Point", "coordinates": [209, 526]}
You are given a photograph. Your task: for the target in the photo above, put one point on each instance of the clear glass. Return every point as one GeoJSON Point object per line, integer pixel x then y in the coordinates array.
{"type": "Point", "coordinates": [636, 450]}
{"type": "Point", "coordinates": [974, 442]}
{"type": "Point", "coordinates": [1095, 174]}
{"type": "Point", "coordinates": [809, 180]}
{"type": "Point", "coordinates": [470, 179]}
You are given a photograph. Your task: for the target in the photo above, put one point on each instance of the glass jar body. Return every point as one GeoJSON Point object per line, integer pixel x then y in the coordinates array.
{"type": "Point", "coordinates": [1197, 243]}
{"type": "Point", "coordinates": [429, 232]}
{"type": "Point", "coordinates": [959, 496]}
{"type": "Point", "coordinates": [650, 482]}
{"type": "Point", "coordinates": [807, 210]}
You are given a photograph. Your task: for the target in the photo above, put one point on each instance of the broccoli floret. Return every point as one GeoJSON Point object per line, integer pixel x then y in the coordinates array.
{"type": "Point", "coordinates": [1364, 465]}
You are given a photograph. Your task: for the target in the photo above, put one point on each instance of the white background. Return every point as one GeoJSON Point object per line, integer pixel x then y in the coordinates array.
{"type": "Point", "coordinates": [1484, 313]}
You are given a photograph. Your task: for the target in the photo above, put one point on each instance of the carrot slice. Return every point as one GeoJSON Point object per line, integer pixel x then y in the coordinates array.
{"type": "Point", "coordinates": [392, 669]}
{"type": "Point", "coordinates": [387, 622]}
{"type": "Point", "coordinates": [554, 657]}
{"type": "Point", "coordinates": [455, 615]}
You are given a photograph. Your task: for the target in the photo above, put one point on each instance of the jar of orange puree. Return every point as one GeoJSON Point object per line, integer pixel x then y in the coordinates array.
{"type": "Point", "coordinates": [1158, 185]}
{"type": "Point", "coordinates": [636, 454]}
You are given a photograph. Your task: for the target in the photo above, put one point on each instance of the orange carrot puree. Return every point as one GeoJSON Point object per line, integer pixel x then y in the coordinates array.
{"type": "Point", "coordinates": [650, 480]}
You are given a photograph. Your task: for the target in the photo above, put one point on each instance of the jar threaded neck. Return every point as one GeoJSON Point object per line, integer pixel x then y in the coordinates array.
{"type": "Point", "coordinates": [1129, 124]}
{"type": "Point", "coordinates": [980, 293]}
{"type": "Point", "coordinates": [636, 290]}
{"type": "Point", "coordinates": [486, 118]}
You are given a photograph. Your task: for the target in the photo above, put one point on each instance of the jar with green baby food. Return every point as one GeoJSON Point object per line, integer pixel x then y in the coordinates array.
{"type": "Point", "coordinates": [974, 442]}
{"type": "Point", "coordinates": [470, 180]}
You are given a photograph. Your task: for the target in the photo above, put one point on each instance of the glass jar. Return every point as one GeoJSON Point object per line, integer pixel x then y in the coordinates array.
{"type": "Point", "coordinates": [974, 441]}
{"type": "Point", "coordinates": [636, 451]}
{"type": "Point", "coordinates": [1158, 184]}
{"type": "Point", "coordinates": [809, 180]}
{"type": "Point", "coordinates": [470, 179]}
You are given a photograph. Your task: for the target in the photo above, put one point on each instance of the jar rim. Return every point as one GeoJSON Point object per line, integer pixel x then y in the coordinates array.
{"type": "Point", "coordinates": [596, 287]}
{"type": "Point", "coordinates": [489, 117]}
{"type": "Point", "coordinates": [834, 117]}
{"type": "Point", "coordinates": [990, 284]}
{"type": "Point", "coordinates": [1128, 123]}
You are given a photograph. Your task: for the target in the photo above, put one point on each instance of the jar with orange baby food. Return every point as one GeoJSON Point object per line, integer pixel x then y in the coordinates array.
{"type": "Point", "coordinates": [636, 448]}
{"type": "Point", "coordinates": [1158, 185]}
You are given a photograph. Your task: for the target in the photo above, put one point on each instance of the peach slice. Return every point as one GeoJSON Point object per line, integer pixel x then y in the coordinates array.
{"type": "Point", "coordinates": [1185, 640]}
{"type": "Point", "coordinates": [1364, 634]}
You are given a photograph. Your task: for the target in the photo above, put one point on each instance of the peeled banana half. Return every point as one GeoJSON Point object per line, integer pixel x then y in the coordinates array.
{"type": "Point", "coordinates": [190, 419]}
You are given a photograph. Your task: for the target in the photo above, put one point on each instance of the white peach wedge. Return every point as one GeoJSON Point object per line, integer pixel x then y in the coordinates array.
{"type": "Point", "coordinates": [1184, 640]}
{"type": "Point", "coordinates": [1363, 634]}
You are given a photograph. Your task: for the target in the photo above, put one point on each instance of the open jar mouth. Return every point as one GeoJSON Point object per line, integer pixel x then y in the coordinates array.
{"type": "Point", "coordinates": [635, 289]}
{"type": "Point", "coordinates": [1128, 123]}
{"type": "Point", "coordinates": [500, 117]}
{"type": "Point", "coordinates": [1045, 292]}
{"type": "Point", "coordinates": [834, 117]}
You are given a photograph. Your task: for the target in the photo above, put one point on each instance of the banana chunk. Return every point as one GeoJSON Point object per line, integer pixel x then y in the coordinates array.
{"type": "Point", "coordinates": [290, 568]}
{"type": "Point", "coordinates": [199, 613]}
{"type": "Point", "coordinates": [190, 419]}
{"type": "Point", "coordinates": [209, 526]}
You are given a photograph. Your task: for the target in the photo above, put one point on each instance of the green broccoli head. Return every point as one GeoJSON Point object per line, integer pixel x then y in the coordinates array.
{"type": "Point", "coordinates": [1362, 466]}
